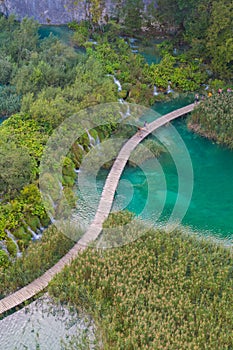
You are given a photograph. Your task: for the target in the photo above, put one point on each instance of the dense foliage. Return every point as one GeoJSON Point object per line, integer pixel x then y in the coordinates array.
{"type": "Point", "coordinates": [38, 258]}
{"type": "Point", "coordinates": [46, 81]}
{"type": "Point", "coordinates": [138, 78]}
{"type": "Point", "coordinates": [213, 118]}
{"type": "Point", "coordinates": [165, 291]}
{"type": "Point", "coordinates": [203, 26]}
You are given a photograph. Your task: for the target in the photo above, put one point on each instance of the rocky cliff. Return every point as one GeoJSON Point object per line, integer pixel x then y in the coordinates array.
{"type": "Point", "coordinates": [50, 11]}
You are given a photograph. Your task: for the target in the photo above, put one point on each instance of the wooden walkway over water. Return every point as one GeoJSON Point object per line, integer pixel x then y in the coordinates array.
{"type": "Point", "coordinates": [102, 213]}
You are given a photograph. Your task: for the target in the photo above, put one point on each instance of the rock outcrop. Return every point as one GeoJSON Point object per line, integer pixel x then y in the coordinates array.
{"type": "Point", "coordinates": [50, 11]}
{"type": "Point", "coordinates": [55, 11]}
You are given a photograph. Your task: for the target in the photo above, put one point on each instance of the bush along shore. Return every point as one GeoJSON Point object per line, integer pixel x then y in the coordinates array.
{"type": "Point", "coordinates": [212, 118]}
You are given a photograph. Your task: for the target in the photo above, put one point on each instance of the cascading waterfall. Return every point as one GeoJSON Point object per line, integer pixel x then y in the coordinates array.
{"type": "Point", "coordinates": [127, 113]}
{"type": "Point", "coordinates": [91, 139]}
{"type": "Point", "coordinates": [4, 248]}
{"type": "Point", "coordinates": [35, 236]}
{"type": "Point", "coordinates": [97, 141]}
{"type": "Point", "coordinates": [41, 229]}
{"type": "Point", "coordinates": [134, 48]}
{"type": "Point", "coordinates": [155, 92]}
{"type": "Point", "coordinates": [169, 90]}
{"type": "Point", "coordinates": [116, 81]}
{"type": "Point", "coordinates": [12, 237]}
{"type": "Point", "coordinates": [121, 100]}
{"type": "Point", "coordinates": [52, 201]}
{"type": "Point", "coordinates": [60, 186]}
{"type": "Point", "coordinates": [81, 147]}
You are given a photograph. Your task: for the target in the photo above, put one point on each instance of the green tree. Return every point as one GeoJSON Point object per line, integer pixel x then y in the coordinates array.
{"type": "Point", "coordinates": [133, 15]}
{"type": "Point", "coordinates": [220, 38]}
{"type": "Point", "coordinates": [9, 101]}
{"type": "Point", "coordinates": [15, 168]}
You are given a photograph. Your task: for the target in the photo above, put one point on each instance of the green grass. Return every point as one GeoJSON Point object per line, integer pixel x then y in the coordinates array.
{"type": "Point", "coordinates": [37, 259]}
{"type": "Point", "coordinates": [167, 290]}
{"type": "Point", "coordinates": [212, 118]}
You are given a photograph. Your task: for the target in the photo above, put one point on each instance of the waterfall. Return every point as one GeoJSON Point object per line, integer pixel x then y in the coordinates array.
{"type": "Point", "coordinates": [60, 186]}
{"type": "Point", "coordinates": [121, 100]}
{"type": "Point", "coordinates": [93, 142]}
{"type": "Point", "coordinates": [97, 141]}
{"type": "Point", "coordinates": [155, 92]}
{"type": "Point", "coordinates": [3, 247]}
{"type": "Point", "coordinates": [93, 42]}
{"type": "Point", "coordinates": [134, 48]}
{"type": "Point", "coordinates": [132, 40]}
{"type": "Point", "coordinates": [81, 147]}
{"type": "Point", "coordinates": [169, 90]}
{"type": "Point", "coordinates": [9, 235]}
{"type": "Point", "coordinates": [35, 236]}
{"type": "Point", "coordinates": [116, 81]}
{"type": "Point", "coordinates": [52, 201]}
{"type": "Point", "coordinates": [127, 113]}
{"type": "Point", "coordinates": [91, 139]}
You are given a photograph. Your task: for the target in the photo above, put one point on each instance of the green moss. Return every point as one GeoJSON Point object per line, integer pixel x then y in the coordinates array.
{"type": "Point", "coordinates": [20, 232]}
{"type": "Point", "coordinates": [122, 94]}
{"type": "Point", "coordinates": [45, 220]}
{"type": "Point", "coordinates": [11, 247]}
{"type": "Point", "coordinates": [33, 222]}
{"type": "Point", "coordinates": [4, 260]}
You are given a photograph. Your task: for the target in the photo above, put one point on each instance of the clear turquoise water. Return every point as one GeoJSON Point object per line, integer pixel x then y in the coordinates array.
{"type": "Point", "coordinates": [150, 53]}
{"type": "Point", "coordinates": [44, 325]}
{"type": "Point", "coordinates": [61, 32]}
{"type": "Point", "coordinates": [211, 207]}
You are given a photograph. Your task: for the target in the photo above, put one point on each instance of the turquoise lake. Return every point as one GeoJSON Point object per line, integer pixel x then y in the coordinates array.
{"type": "Point", "coordinates": [211, 206]}
{"type": "Point", "coordinates": [154, 185]}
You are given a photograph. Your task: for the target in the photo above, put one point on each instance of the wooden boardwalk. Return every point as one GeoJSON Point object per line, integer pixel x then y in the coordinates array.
{"type": "Point", "coordinates": [102, 213]}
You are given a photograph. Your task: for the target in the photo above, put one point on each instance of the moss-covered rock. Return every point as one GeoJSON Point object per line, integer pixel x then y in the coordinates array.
{"type": "Point", "coordinates": [4, 260]}
{"type": "Point", "coordinates": [11, 247]}
{"type": "Point", "coordinates": [33, 222]}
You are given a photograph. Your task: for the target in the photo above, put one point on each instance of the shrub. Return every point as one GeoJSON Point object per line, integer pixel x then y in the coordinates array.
{"type": "Point", "coordinates": [11, 247]}
{"type": "Point", "coordinates": [213, 118]}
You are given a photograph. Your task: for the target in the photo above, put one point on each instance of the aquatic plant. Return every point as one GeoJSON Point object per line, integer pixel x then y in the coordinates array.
{"type": "Point", "coordinates": [167, 290]}
{"type": "Point", "coordinates": [34, 261]}
{"type": "Point", "coordinates": [213, 118]}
